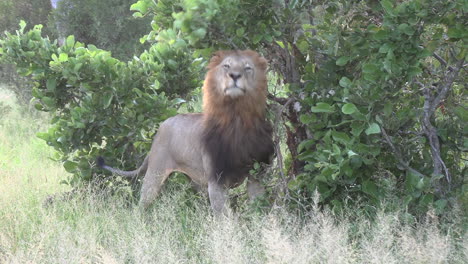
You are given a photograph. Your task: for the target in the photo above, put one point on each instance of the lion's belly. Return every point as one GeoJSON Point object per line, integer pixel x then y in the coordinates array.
{"type": "Point", "coordinates": [181, 135]}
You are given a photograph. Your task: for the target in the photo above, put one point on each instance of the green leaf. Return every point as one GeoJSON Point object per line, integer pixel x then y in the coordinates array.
{"type": "Point", "coordinates": [63, 57]}
{"type": "Point", "coordinates": [369, 68]}
{"type": "Point", "coordinates": [49, 102]}
{"type": "Point", "coordinates": [388, 109]}
{"type": "Point", "coordinates": [107, 99]}
{"type": "Point", "coordinates": [70, 41]}
{"type": "Point", "coordinates": [456, 32]}
{"type": "Point", "coordinates": [240, 32]}
{"type": "Point", "coordinates": [345, 82]}
{"type": "Point", "coordinates": [341, 137]}
{"type": "Point", "coordinates": [373, 128]}
{"type": "Point", "coordinates": [461, 112]}
{"type": "Point", "coordinates": [348, 108]}
{"type": "Point", "coordinates": [412, 180]}
{"type": "Point", "coordinates": [323, 108]}
{"type": "Point", "coordinates": [70, 166]}
{"type": "Point", "coordinates": [256, 39]}
{"type": "Point", "coordinates": [305, 145]}
{"type": "Point", "coordinates": [294, 184]}
{"type": "Point", "coordinates": [440, 205]}
{"type": "Point", "coordinates": [138, 15]}
{"type": "Point", "coordinates": [406, 29]}
{"type": "Point", "coordinates": [199, 33]}
{"type": "Point", "coordinates": [39, 107]}
{"type": "Point", "coordinates": [388, 7]}
{"type": "Point", "coordinates": [420, 184]}
{"type": "Point", "coordinates": [256, 166]}
{"type": "Point", "coordinates": [385, 48]}
{"type": "Point", "coordinates": [342, 61]}
{"type": "Point", "coordinates": [370, 188]}
{"type": "Point", "coordinates": [307, 119]}
{"type": "Point", "coordinates": [43, 135]}
{"type": "Point", "coordinates": [280, 43]}
{"type": "Point", "coordinates": [77, 67]}
{"type": "Point", "coordinates": [180, 44]}
{"type": "Point", "coordinates": [382, 34]}
{"type": "Point", "coordinates": [51, 84]}
{"type": "Point", "coordinates": [141, 6]}
{"type": "Point", "coordinates": [22, 25]}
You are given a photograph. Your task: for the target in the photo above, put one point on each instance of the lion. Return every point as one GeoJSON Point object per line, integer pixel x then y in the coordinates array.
{"type": "Point", "coordinates": [218, 147]}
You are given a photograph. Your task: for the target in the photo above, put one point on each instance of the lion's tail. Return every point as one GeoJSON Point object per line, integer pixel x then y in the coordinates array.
{"type": "Point", "coordinates": [128, 174]}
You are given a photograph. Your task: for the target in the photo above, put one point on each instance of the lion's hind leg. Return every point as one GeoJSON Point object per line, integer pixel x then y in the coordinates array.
{"type": "Point", "coordinates": [254, 188]}
{"type": "Point", "coordinates": [155, 176]}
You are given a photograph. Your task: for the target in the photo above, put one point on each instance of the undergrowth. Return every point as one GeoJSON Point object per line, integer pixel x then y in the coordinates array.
{"type": "Point", "coordinates": [94, 226]}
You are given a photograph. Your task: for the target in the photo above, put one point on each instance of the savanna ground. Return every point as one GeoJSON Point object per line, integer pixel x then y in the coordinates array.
{"type": "Point", "coordinates": [90, 227]}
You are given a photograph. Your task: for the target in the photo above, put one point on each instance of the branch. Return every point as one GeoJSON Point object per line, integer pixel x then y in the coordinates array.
{"type": "Point", "coordinates": [431, 102]}
{"type": "Point", "coordinates": [447, 84]}
{"type": "Point", "coordinates": [283, 105]}
{"type": "Point", "coordinates": [277, 139]}
{"type": "Point", "coordinates": [442, 61]}
{"type": "Point", "coordinates": [398, 155]}
{"type": "Point", "coordinates": [279, 100]}
{"type": "Point", "coordinates": [431, 132]}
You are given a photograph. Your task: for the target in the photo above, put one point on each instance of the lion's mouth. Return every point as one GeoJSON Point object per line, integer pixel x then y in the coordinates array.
{"type": "Point", "coordinates": [234, 91]}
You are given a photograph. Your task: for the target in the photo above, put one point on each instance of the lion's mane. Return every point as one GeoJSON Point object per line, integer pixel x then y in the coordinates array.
{"type": "Point", "coordinates": [236, 132]}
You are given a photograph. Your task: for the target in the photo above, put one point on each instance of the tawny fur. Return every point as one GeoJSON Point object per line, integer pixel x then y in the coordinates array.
{"type": "Point", "coordinates": [215, 149]}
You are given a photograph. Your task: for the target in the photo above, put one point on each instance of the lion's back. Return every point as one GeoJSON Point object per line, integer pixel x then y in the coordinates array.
{"type": "Point", "coordinates": [180, 135]}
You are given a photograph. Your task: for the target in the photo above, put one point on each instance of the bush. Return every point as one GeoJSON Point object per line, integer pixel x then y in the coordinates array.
{"type": "Point", "coordinates": [373, 91]}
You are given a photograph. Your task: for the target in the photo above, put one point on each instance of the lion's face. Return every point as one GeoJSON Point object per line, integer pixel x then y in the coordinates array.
{"type": "Point", "coordinates": [235, 87]}
{"type": "Point", "coordinates": [236, 75]}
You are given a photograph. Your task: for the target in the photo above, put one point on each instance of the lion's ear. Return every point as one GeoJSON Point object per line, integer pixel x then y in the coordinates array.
{"type": "Point", "coordinates": [262, 63]}
{"type": "Point", "coordinates": [216, 59]}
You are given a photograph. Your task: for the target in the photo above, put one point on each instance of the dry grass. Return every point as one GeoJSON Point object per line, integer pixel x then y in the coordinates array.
{"type": "Point", "coordinates": [92, 228]}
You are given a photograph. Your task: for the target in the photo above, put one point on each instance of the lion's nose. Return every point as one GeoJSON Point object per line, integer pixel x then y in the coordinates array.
{"type": "Point", "coordinates": [235, 75]}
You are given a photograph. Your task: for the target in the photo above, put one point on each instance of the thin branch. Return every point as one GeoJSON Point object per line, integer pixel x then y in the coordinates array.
{"type": "Point", "coordinates": [445, 87]}
{"type": "Point", "coordinates": [398, 155]}
{"type": "Point", "coordinates": [442, 61]}
{"type": "Point", "coordinates": [279, 100]}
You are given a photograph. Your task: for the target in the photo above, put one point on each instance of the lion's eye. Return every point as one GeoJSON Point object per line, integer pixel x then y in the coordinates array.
{"type": "Point", "coordinates": [226, 66]}
{"type": "Point", "coordinates": [248, 68]}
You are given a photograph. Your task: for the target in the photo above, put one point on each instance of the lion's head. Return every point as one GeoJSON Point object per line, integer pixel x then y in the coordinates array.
{"type": "Point", "coordinates": [238, 73]}
{"type": "Point", "coordinates": [235, 83]}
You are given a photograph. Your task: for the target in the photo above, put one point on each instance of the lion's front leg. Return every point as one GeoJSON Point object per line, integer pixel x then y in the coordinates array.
{"type": "Point", "coordinates": [217, 193]}
{"type": "Point", "coordinates": [218, 196]}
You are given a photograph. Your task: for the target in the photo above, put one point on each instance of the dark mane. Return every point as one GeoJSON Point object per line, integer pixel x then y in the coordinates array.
{"type": "Point", "coordinates": [236, 132]}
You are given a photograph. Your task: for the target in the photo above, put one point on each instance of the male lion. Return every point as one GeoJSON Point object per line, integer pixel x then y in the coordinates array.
{"type": "Point", "coordinates": [215, 148]}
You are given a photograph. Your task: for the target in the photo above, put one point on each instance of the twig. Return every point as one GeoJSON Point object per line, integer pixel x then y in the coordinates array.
{"type": "Point", "coordinates": [398, 155]}
{"type": "Point", "coordinates": [279, 100]}
{"type": "Point", "coordinates": [442, 61]}
{"type": "Point", "coordinates": [449, 79]}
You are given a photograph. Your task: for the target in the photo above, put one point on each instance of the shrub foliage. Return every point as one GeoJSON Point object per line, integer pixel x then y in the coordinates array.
{"type": "Point", "coordinates": [371, 92]}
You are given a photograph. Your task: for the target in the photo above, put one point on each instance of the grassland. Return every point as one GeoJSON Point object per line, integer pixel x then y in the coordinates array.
{"type": "Point", "coordinates": [89, 227]}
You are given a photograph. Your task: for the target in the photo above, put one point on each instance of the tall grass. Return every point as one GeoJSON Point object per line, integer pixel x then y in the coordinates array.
{"type": "Point", "coordinates": [89, 227]}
